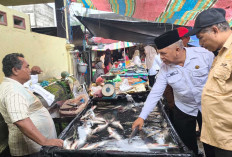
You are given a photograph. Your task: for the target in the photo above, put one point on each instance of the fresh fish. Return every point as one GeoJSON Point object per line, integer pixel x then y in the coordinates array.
{"type": "Point", "coordinates": [139, 104]}
{"type": "Point", "coordinates": [99, 128]}
{"type": "Point", "coordinates": [160, 138]}
{"type": "Point", "coordinates": [133, 133]}
{"type": "Point", "coordinates": [93, 122]}
{"type": "Point", "coordinates": [99, 119]}
{"type": "Point", "coordinates": [165, 132]}
{"type": "Point", "coordinates": [74, 145]}
{"type": "Point", "coordinates": [157, 125]}
{"type": "Point", "coordinates": [153, 133]}
{"type": "Point", "coordinates": [117, 124]}
{"type": "Point", "coordinates": [109, 117]}
{"type": "Point", "coordinates": [154, 114]}
{"type": "Point", "coordinates": [97, 122]}
{"type": "Point", "coordinates": [130, 98]}
{"type": "Point", "coordinates": [113, 133]}
{"type": "Point", "coordinates": [84, 132]}
{"type": "Point", "coordinates": [128, 123]}
{"type": "Point", "coordinates": [89, 113]}
{"type": "Point", "coordinates": [159, 116]}
{"type": "Point", "coordinates": [143, 134]}
{"type": "Point", "coordinates": [148, 129]}
{"type": "Point", "coordinates": [128, 107]}
{"type": "Point", "coordinates": [134, 110]}
{"type": "Point", "coordinates": [102, 108]}
{"type": "Point", "coordinates": [164, 124]}
{"type": "Point", "coordinates": [67, 144]}
{"type": "Point", "coordinates": [157, 120]}
{"type": "Point", "coordinates": [116, 107]}
{"type": "Point", "coordinates": [94, 145]}
{"type": "Point", "coordinates": [156, 109]}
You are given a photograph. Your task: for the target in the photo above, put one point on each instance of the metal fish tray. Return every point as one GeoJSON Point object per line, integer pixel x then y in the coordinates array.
{"type": "Point", "coordinates": [144, 144]}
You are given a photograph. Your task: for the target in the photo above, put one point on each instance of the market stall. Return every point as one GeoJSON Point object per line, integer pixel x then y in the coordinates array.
{"type": "Point", "coordinates": [122, 79]}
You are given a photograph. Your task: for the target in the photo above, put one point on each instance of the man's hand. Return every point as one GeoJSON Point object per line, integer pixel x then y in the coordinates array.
{"type": "Point", "coordinates": [138, 122]}
{"type": "Point", "coordinates": [53, 142]}
{"type": "Point", "coordinates": [36, 70]}
{"type": "Point", "coordinates": [27, 127]}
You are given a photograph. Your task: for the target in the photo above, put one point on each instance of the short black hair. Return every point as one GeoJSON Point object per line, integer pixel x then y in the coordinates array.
{"type": "Point", "coordinates": [11, 61]}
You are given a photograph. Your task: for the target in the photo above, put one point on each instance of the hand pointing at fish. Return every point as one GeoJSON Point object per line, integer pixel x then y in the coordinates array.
{"type": "Point", "coordinates": [138, 122]}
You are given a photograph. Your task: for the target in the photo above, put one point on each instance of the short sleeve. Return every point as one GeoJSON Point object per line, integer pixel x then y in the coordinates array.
{"type": "Point", "coordinates": [17, 107]}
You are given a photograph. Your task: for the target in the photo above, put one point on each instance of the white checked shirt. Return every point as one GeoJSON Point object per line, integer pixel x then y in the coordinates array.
{"type": "Point", "coordinates": [17, 103]}
{"type": "Point", "coordinates": [187, 82]}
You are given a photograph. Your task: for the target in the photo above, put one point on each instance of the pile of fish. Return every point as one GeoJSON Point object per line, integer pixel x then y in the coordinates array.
{"type": "Point", "coordinates": [86, 131]}
{"type": "Point", "coordinates": [109, 128]}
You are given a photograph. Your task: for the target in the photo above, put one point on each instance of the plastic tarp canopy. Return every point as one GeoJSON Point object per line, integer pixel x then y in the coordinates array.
{"type": "Point", "coordinates": [49, 151]}
{"type": "Point", "coordinates": [180, 12]}
{"type": "Point", "coordinates": [137, 32]}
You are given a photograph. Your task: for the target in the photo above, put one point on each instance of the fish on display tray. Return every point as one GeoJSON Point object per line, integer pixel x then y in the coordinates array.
{"type": "Point", "coordinates": [110, 129]}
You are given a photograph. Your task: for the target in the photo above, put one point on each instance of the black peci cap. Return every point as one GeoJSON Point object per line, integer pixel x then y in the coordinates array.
{"type": "Point", "coordinates": [167, 39]}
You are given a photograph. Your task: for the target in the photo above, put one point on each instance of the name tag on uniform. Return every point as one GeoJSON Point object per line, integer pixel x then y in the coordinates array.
{"type": "Point", "coordinates": [172, 73]}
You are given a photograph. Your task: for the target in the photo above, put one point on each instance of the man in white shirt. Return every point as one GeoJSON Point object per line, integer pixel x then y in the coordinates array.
{"type": "Point", "coordinates": [186, 71]}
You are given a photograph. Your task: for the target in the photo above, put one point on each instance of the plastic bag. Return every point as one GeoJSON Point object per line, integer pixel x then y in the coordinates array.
{"type": "Point", "coordinates": [125, 86]}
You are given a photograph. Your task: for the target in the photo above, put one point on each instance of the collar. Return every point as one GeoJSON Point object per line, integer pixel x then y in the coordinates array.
{"type": "Point", "coordinates": [226, 45]}
{"type": "Point", "coordinates": [188, 57]}
{"type": "Point", "coordinates": [7, 79]}
{"type": "Point", "coordinates": [228, 42]}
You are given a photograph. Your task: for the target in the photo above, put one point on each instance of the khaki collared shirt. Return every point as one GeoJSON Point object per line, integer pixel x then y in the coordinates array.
{"type": "Point", "coordinates": [17, 103]}
{"type": "Point", "coordinates": [217, 101]}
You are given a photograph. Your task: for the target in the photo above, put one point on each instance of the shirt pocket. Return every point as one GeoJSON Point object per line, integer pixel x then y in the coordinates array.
{"type": "Point", "coordinates": [221, 74]}
{"type": "Point", "coordinates": [176, 82]}
{"type": "Point", "coordinates": [199, 76]}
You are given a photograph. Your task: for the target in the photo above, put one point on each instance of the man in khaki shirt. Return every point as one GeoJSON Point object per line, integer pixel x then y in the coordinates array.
{"type": "Point", "coordinates": [29, 123]}
{"type": "Point", "coordinates": [214, 33]}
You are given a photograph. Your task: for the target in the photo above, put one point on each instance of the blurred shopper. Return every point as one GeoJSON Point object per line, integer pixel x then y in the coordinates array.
{"type": "Point", "coordinates": [153, 63]}
{"type": "Point", "coordinates": [124, 56]}
{"type": "Point", "coordinates": [102, 58]}
{"type": "Point", "coordinates": [107, 61]}
{"type": "Point", "coordinates": [115, 56]}
{"type": "Point", "coordinates": [99, 66]}
{"type": "Point", "coordinates": [136, 58]}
